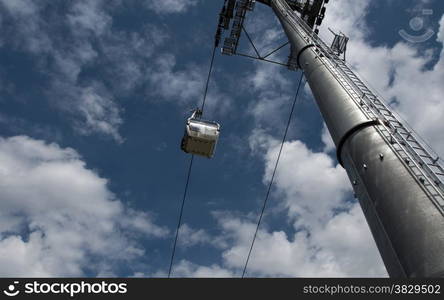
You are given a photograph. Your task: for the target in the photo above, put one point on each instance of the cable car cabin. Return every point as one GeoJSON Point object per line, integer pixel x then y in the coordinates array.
{"type": "Point", "coordinates": [200, 136]}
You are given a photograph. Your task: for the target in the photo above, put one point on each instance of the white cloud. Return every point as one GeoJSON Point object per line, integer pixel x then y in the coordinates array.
{"type": "Point", "coordinates": [342, 247]}
{"type": "Point", "coordinates": [273, 92]}
{"type": "Point", "coordinates": [91, 16]}
{"type": "Point", "coordinates": [92, 108]}
{"type": "Point", "coordinates": [100, 113]}
{"type": "Point", "coordinates": [330, 237]}
{"type": "Point", "coordinates": [28, 25]}
{"type": "Point", "coordinates": [121, 59]}
{"type": "Point", "coordinates": [58, 217]}
{"type": "Point", "coordinates": [267, 77]}
{"type": "Point", "coordinates": [170, 6]}
{"type": "Point", "coordinates": [127, 56]}
{"type": "Point", "coordinates": [86, 40]}
{"type": "Point", "coordinates": [186, 86]}
{"type": "Point", "coordinates": [182, 86]}
{"type": "Point", "coordinates": [21, 7]}
{"type": "Point", "coordinates": [187, 269]}
{"type": "Point", "coordinates": [313, 186]}
{"type": "Point", "coordinates": [347, 16]}
{"type": "Point", "coordinates": [327, 140]}
{"type": "Point", "coordinates": [191, 237]}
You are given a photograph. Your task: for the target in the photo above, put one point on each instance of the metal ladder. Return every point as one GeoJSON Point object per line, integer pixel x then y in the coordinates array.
{"type": "Point", "coordinates": [420, 162]}
{"type": "Point", "coordinates": [424, 166]}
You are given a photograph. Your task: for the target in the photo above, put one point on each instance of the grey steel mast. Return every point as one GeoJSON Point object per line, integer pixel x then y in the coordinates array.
{"type": "Point", "coordinates": [398, 182]}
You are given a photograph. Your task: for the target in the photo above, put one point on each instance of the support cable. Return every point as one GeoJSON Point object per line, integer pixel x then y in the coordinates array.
{"type": "Point", "coordinates": [258, 56]}
{"type": "Point", "coordinates": [179, 223]}
{"type": "Point", "coordinates": [272, 177]}
{"type": "Point", "coordinates": [251, 42]}
{"type": "Point", "coordinates": [276, 50]}
{"type": "Point", "coordinates": [208, 79]}
{"type": "Point", "coordinates": [180, 216]}
{"type": "Point", "coordinates": [263, 59]}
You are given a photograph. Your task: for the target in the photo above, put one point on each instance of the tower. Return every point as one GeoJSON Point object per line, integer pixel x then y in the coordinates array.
{"type": "Point", "coordinates": [397, 180]}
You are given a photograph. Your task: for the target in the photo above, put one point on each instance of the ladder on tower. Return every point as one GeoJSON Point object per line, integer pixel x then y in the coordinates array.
{"type": "Point", "coordinates": [424, 166]}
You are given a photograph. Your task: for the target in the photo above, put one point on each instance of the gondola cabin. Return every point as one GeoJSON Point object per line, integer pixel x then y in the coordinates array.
{"type": "Point", "coordinates": [200, 136]}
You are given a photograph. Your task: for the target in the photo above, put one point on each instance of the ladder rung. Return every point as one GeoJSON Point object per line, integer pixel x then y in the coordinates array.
{"type": "Point", "coordinates": [417, 143]}
{"type": "Point", "coordinates": [435, 166]}
{"type": "Point", "coordinates": [404, 131]}
{"type": "Point", "coordinates": [386, 110]}
{"type": "Point", "coordinates": [379, 104]}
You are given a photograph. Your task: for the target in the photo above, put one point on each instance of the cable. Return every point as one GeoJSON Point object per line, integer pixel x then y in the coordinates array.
{"type": "Point", "coordinates": [272, 177]}
{"type": "Point", "coordinates": [189, 172]}
{"type": "Point", "coordinates": [208, 79]}
{"type": "Point", "coordinates": [180, 215]}
{"type": "Point", "coordinates": [251, 42]}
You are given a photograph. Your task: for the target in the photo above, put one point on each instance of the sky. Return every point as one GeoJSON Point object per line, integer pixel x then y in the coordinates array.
{"type": "Point", "coordinates": [94, 96]}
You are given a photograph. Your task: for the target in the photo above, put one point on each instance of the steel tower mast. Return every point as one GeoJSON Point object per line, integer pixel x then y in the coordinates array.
{"type": "Point", "coordinates": [398, 182]}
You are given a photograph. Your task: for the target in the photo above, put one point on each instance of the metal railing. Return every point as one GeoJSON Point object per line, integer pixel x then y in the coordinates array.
{"type": "Point", "coordinates": [424, 166]}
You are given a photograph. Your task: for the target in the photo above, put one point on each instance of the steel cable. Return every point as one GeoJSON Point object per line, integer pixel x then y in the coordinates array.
{"type": "Point", "coordinates": [272, 177]}
{"type": "Point", "coordinates": [179, 223]}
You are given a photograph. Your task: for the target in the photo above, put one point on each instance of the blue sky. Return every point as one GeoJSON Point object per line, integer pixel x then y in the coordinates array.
{"type": "Point", "coordinates": [94, 96]}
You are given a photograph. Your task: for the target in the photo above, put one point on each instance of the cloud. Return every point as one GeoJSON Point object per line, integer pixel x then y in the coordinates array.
{"type": "Point", "coordinates": [182, 86]}
{"type": "Point", "coordinates": [89, 16]}
{"type": "Point", "coordinates": [18, 126]}
{"type": "Point", "coordinates": [188, 269]}
{"type": "Point", "coordinates": [126, 56]}
{"type": "Point", "coordinates": [342, 247]}
{"type": "Point", "coordinates": [94, 63]}
{"type": "Point", "coordinates": [93, 108]}
{"type": "Point", "coordinates": [88, 62]}
{"type": "Point", "coordinates": [185, 86]}
{"type": "Point", "coordinates": [330, 237]}
{"type": "Point", "coordinates": [170, 6]}
{"type": "Point", "coordinates": [273, 92]}
{"type": "Point", "coordinates": [28, 26]}
{"type": "Point", "coordinates": [59, 218]}
{"type": "Point", "coordinates": [327, 140]}
{"type": "Point", "coordinates": [190, 237]}
{"type": "Point", "coordinates": [312, 185]}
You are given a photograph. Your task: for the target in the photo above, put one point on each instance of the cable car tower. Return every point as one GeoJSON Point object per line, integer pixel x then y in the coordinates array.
{"type": "Point", "coordinates": [397, 179]}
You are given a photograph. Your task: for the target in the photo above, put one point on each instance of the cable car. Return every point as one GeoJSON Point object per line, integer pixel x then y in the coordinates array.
{"type": "Point", "coordinates": [200, 136]}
